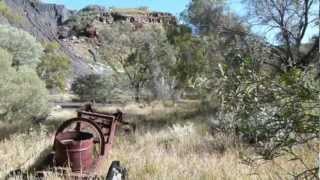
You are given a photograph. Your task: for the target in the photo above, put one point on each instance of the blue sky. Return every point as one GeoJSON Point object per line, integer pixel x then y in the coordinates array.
{"type": "Point", "coordinates": [173, 6]}
{"type": "Point", "coordinates": [158, 5]}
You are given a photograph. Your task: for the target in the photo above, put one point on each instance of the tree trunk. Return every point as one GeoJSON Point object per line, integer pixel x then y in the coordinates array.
{"type": "Point", "coordinates": [137, 93]}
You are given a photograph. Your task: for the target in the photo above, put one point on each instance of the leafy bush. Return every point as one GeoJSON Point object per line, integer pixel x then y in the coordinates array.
{"type": "Point", "coordinates": [23, 95]}
{"type": "Point", "coordinates": [3, 7]}
{"type": "Point", "coordinates": [145, 56]}
{"type": "Point", "coordinates": [275, 113]}
{"type": "Point", "coordinates": [80, 21]}
{"type": "Point", "coordinates": [94, 87]}
{"type": "Point", "coordinates": [54, 67]}
{"type": "Point", "coordinates": [23, 47]}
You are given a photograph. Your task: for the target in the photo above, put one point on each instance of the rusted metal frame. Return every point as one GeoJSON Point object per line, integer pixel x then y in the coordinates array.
{"type": "Point", "coordinates": [112, 132]}
{"type": "Point", "coordinates": [99, 115]}
{"type": "Point", "coordinates": [108, 121]}
{"type": "Point", "coordinates": [95, 125]}
{"type": "Point", "coordinates": [118, 118]}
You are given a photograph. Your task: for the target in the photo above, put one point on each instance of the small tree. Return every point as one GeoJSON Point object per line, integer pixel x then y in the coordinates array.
{"type": "Point", "coordinates": [23, 95]}
{"type": "Point", "coordinates": [94, 87]}
{"type": "Point", "coordinates": [191, 63]}
{"type": "Point", "coordinates": [24, 48]}
{"type": "Point", "coordinates": [144, 56]}
{"type": "Point", "coordinates": [290, 21]}
{"type": "Point", "coordinates": [54, 67]}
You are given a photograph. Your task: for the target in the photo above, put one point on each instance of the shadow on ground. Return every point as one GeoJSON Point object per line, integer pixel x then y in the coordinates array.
{"type": "Point", "coordinates": [44, 161]}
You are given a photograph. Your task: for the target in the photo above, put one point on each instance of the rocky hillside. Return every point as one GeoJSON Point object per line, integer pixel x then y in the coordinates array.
{"type": "Point", "coordinates": [42, 20]}
{"type": "Point", "coordinates": [75, 31]}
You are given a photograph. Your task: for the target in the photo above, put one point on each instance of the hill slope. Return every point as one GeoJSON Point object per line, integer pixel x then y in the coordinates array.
{"type": "Point", "coordinates": [51, 22]}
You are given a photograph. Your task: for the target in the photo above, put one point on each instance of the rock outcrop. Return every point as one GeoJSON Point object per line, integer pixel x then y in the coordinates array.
{"type": "Point", "coordinates": [51, 22]}
{"type": "Point", "coordinates": [43, 21]}
{"type": "Point", "coordinates": [40, 19]}
{"type": "Point", "coordinates": [148, 17]}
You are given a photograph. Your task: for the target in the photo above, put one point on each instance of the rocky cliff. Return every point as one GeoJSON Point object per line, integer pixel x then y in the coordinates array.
{"type": "Point", "coordinates": [51, 22]}
{"type": "Point", "coordinates": [41, 20]}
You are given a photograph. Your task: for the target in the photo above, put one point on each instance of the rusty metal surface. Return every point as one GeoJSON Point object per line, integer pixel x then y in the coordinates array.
{"type": "Point", "coordinates": [81, 144]}
{"type": "Point", "coordinates": [88, 122]}
{"type": "Point", "coordinates": [74, 149]}
{"type": "Point", "coordinates": [77, 153]}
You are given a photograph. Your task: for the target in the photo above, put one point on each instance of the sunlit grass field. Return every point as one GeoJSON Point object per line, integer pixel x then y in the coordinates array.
{"type": "Point", "coordinates": [171, 142]}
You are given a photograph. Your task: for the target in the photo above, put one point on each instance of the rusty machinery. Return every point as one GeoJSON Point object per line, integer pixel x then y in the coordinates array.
{"type": "Point", "coordinates": [83, 142]}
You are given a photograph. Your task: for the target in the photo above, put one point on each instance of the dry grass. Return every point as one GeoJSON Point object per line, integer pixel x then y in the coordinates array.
{"type": "Point", "coordinates": [20, 151]}
{"type": "Point", "coordinates": [180, 148]}
{"type": "Point", "coordinates": [179, 152]}
{"type": "Point", "coordinates": [62, 97]}
{"type": "Point", "coordinates": [188, 152]}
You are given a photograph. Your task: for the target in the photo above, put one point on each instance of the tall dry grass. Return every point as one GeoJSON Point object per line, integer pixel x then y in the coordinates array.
{"type": "Point", "coordinates": [20, 151]}
{"type": "Point", "coordinates": [180, 147]}
{"type": "Point", "coordinates": [188, 152]}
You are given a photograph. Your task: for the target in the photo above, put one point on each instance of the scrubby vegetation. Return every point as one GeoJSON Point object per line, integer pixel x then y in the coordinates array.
{"type": "Point", "coordinates": [23, 47]}
{"type": "Point", "coordinates": [262, 94]}
{"type": "Point", "coordinates": [211, 99]}
{"type": "Point", "coordinates": [144, 57]}
{"type": "Point", "coordinates": [78, 22]}
{"type": "Point", "coordinates": [170, 143]}
{"type": "Point", "coordinates": [23, 94]}
{"type": "Point", "coordinates": [94, 87]}
{"type": "Point", "coordinates": [7, 12]}
{"type": "Point", "coordinates": [54, 67]}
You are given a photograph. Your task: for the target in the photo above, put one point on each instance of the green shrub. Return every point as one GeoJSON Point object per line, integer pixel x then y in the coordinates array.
{"type": "Point", "coordinates": [51, 47]}
{"type": "Point", "coordinates": [94, 87]}
{"type": "Point", "coordinates": [23, 95]}
{"type": "Point", "coordinates": [6, 12]}
{"type": "Point", "coordinates": [54, 67]}
{"type": "Point", "coordinates": [79, 21]}
{"type": "Point", "coordinates": [275, 113]}
{"type": "Point", "coordinates": [23, 47]}
{"type": "Point", "coordinates": [3, 7]}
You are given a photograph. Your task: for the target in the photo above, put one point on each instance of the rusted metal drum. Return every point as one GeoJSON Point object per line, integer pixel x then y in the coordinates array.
{"type": "Point", "coordinates": [74, 149]}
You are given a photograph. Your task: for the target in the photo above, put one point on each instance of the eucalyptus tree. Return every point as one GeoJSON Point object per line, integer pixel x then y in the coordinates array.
{"type": "Point", "coordinates": [142, 55]}
{"type": "Point", "coordinates": [289, 20]}
{"type": "Point", "coordinates": [276, 110]}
